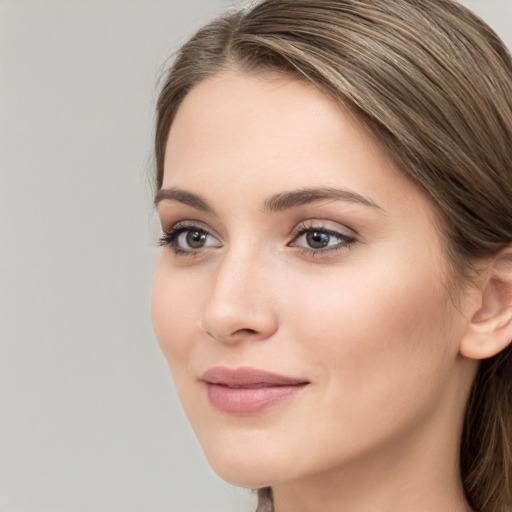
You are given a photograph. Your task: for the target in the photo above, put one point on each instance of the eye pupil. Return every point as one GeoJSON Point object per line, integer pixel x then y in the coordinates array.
{"type": "Point", "coordinates": [196, 239]}
{"type": "Point", "coordinates": [317, 239]}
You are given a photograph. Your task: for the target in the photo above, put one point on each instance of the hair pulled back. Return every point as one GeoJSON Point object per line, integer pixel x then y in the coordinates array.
{"type": "Point", "coordinates": [433, 84]}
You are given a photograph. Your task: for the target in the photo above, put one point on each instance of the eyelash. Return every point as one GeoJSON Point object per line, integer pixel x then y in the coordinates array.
{"type": "Point", "coordinates": [170, 237]}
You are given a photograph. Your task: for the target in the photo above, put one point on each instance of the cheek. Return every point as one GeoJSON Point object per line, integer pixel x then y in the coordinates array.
{"type": "Point", "coordinates": [174, 311]}
{"type": "Point", "coordinates": [374, 327]}
{"type": "Point", "coordinates": [381, 351]}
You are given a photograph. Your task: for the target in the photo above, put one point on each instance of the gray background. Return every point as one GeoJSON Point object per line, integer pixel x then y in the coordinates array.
{"type": "Point", "coordinates": [89, 419]}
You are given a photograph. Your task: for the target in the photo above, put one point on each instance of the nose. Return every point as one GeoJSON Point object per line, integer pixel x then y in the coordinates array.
{"type": "Point", "coordinates": [241, 303]}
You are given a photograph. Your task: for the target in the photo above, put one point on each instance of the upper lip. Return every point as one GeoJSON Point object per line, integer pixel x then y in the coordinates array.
{"type": "Point", "coordinates": [246, 376]}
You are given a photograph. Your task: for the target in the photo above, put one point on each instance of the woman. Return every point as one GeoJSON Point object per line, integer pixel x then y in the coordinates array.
{"type": "Point", "coordinates": [334, 293]}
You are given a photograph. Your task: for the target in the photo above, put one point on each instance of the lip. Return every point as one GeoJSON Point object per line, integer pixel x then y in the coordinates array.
{"type": "Point", "coordinates": [246, 390]}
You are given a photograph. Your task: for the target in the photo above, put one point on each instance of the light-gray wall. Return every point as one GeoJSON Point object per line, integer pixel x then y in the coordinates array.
{"type": "Point", "coordinates": [89, 420]}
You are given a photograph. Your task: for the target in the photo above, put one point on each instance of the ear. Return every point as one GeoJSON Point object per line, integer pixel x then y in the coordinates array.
{"type": "Point", "coordinates": [490, 329]}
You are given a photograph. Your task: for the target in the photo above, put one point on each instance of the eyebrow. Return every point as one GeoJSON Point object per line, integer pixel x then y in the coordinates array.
{"type": "Point", "coordinates": [184, 197]}
{"type": "Point", "coordinates": [287, 200]}
{"type": "Point", "coordinates": [276, 203]}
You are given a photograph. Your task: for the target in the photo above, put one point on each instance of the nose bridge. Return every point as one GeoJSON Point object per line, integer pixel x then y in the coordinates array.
{"type": "Point", "coordinates": [240, 301]}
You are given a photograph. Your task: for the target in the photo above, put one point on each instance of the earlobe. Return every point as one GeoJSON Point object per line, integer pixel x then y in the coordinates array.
{"type": "Point", "coordinates": [490, 328]}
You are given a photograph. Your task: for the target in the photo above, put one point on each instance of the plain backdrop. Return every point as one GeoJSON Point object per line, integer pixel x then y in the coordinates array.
{"type": "Point", "coordinates": [89, 418]}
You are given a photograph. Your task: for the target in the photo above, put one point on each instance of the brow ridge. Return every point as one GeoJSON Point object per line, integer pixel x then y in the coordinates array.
{"type": "Point", "coordinates": [276, 203]}
{"type": "Point", "coordinates": [288, 200]}
{"type": "Point", "coordinates": [184, 197]}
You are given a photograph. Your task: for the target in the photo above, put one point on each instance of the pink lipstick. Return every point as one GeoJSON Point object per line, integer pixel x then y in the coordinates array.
{"type": "Point", "coordinates": [245, 390]}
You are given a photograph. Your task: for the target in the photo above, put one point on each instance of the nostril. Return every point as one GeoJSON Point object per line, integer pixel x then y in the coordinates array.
{"type": "Point", "coordinates": [245, 332]}
{"type": "Point", "coordinates": [239, 332]}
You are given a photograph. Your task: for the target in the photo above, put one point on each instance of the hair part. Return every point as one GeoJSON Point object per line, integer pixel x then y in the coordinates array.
{"type": "Point", "coordinates": [433, 84]}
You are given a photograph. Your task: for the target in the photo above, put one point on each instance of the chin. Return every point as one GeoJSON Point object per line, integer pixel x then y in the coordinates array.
{"type": "Point", "coordinates": [248, 478]}
{"type": "Point", "coordinates": [250, 473]}
{"type": "Point", "coordinates": [249, 470]}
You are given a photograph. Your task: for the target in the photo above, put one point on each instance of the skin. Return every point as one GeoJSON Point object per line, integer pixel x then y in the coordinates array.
{"type": "Point", "coordinates": [370, 324]}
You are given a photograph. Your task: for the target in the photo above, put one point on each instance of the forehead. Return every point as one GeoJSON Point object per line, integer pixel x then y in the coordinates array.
{"type": "Point", "coordinates": [238, 110]}
{"type": "Point", "coordinates": [242, 126]}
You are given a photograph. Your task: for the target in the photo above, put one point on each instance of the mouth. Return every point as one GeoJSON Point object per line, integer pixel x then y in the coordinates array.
{"type": "Point", "coordinates": [244, 391]}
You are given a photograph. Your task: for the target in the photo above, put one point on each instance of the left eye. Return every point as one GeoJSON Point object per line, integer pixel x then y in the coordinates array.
{"type": "Point", "coordinates": [194, 239]}
{"type": "Point", "coordinates": [316, 239]}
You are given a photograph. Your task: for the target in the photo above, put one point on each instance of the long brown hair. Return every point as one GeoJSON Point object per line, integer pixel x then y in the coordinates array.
{"type": "Point", "coordinates": [433, 84]}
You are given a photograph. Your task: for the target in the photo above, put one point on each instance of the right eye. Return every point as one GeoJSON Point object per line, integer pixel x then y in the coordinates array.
{"type": "Point", "coordinates": [186, 239]}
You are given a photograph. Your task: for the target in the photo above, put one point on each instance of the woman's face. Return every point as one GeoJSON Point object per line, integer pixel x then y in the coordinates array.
{"type": "Point", "coordinates": [301, 296]}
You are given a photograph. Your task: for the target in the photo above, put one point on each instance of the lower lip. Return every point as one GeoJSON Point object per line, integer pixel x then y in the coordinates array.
{"type": "Point", "coordinates": [245, 401]}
